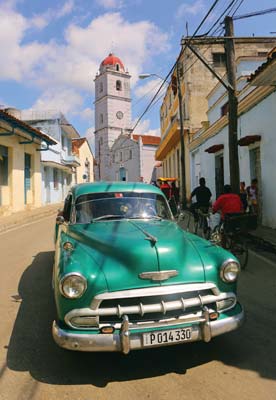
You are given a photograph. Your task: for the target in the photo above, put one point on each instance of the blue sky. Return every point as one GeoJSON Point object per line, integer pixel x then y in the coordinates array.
{"type": "Point", "coordinates": [51, 50]}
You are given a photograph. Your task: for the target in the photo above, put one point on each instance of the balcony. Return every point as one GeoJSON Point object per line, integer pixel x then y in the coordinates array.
{"type": "Point", "coordinates": [169, 140]}
{"type": "Point", "coordinates": [70, 159]}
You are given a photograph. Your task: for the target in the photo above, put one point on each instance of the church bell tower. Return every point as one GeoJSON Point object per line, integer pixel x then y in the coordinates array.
{"type": "Point", "coordinates": [112, 111]}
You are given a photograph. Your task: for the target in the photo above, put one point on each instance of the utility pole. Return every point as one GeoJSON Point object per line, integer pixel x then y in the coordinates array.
{"type": "Point", "coordinates": [233, 105]}
{"type": "Point", "coordinates": [182, 157]}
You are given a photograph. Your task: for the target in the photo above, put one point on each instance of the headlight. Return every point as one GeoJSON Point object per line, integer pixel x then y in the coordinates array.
{"type": "Point", "coordinates": [73, 286]}
{"type": "Point", "coordinates": [229, 271]}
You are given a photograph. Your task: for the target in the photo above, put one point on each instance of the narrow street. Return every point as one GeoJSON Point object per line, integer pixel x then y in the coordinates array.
{"type": "Point", "coordinates": [240, 365]}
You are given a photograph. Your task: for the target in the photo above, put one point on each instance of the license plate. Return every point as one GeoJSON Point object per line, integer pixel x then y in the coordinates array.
{"type": "Point", "coordinates": [166, 337]}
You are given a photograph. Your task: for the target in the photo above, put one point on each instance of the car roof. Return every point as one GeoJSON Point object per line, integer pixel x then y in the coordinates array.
{"type": "Point", "coordinates": [100, 187]}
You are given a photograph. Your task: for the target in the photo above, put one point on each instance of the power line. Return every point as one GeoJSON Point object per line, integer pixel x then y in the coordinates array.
{"type": "Point", "coordinates": [222, 14]}
{"type": "Point", "coordinates": [237, 8]}
{"type": "Point", "coordinates": [173, 67]}
{"type": "Point", "coordinates": [254, 14]}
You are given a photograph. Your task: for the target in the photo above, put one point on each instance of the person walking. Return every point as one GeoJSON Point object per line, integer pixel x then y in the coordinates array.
{"type": "Point", "coordinates": [203, 195]}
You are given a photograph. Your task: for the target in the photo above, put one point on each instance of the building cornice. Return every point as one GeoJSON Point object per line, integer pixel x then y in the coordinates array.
{"type": "Point", "coordinates": [111, 96]}
{"type": "Point", "coordinates": [245, 105]}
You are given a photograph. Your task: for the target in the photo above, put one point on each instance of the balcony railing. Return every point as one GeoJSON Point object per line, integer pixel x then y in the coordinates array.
{"type": "Point", "coordinates": [70, 159]}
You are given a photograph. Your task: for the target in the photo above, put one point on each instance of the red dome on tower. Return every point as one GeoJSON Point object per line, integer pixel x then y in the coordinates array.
{"type": "Point", "coordinates": [112, 60]}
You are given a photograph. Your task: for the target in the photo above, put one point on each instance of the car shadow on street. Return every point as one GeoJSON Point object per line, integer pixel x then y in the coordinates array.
{"type": "Point", "coordinates": [32, 348]}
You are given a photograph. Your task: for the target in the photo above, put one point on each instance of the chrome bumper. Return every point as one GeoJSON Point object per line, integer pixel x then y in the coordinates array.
{"type": "Point", "coordinates": [127, 340]}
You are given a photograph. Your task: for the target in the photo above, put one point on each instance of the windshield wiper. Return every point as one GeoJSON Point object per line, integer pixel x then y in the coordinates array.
{"type": "Point", "coordinates": [108, 216]}
{"type": "Point", "coordinates": [145, 217]}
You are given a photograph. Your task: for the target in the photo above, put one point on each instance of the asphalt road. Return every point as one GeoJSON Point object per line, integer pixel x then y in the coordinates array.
{"type": "Point", "coordinates": [240, 365]}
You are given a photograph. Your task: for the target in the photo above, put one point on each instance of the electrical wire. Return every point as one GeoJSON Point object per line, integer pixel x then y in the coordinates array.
{"type": "Point", "coordinates": [254, 14]}
{"type": "Point", "coordinates": [173, 67]}
{"type": "Point", "coordinates": [237, 8]}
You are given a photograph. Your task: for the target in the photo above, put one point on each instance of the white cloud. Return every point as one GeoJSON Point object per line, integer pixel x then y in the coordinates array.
{"type": "Point", "coordinates": [63, 71]}
{"type": "Point", "coordinates": [143, 128]}
{"type": "Point", "coordinates": [40, 21]}
{"type": "Point", "coordinates": [91, 138]}
{"type": "Point", "coordinates": [110, 4]}
{"type": "Point", "coordinates": [195, 8]}
{"type": "Point", "coordinates": [149, 88]}
{"type": "Point", "coordinates": [65, 100]}
{"type": "Point", "coordinates": [87, 114]}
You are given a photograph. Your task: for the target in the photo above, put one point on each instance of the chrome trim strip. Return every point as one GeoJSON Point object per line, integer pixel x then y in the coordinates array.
{"type": "Point", "coordinates": [162, 307]}
{"type": "Point", "coordinates": [112, 342]}
{"type": "Point", "coordinates": [158, 290]}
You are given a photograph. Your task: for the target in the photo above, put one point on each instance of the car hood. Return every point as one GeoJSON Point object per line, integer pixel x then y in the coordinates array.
{"type": "Point", "coordinates": [124, 249]}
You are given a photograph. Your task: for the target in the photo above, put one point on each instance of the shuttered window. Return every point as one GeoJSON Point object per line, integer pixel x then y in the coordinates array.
{"type": "Point", "coordinates": [4, 166]}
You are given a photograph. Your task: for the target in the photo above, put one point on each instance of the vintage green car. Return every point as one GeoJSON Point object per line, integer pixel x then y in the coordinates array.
{"type": "Point", "coordinates": [127, 277]}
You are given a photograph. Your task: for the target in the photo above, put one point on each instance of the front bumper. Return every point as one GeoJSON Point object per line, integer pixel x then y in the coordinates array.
{"type": "Point", "coordinates": [127, 340]}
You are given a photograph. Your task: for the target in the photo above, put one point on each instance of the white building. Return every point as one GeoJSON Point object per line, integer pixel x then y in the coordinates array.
{"type": "Point", "coordinates": [112, 111]}
{"type": "Point", "coordinates": [209, 150]}
{"type": "Point", "coordinates": [58, 164]}
{"type": "Point", "coordinates": [133, 158]}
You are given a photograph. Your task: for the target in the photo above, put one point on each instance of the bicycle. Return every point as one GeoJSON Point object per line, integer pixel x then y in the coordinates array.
{"type": "Point", "coordinates": [231, 235]}
{"type": "Point", "coordinates": [203, 223]}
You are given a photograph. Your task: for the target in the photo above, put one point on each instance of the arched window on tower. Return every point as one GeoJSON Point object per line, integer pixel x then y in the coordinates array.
{"type": "Point", "coordinates": [117, 67]}
{"type": "Point", "coordinates": [101, 86]}
{"type": "Point", "coordinates": [118, 85]}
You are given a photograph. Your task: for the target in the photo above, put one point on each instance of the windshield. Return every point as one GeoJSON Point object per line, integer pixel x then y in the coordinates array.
{"type": "Point", "coordinates": [106, 206]}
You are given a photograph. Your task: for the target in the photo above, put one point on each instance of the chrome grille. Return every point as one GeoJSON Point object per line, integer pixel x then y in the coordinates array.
{"type": "Point", "coordinates": [171, 305]}
{"type": "Point", "coordinates": [152, 306]}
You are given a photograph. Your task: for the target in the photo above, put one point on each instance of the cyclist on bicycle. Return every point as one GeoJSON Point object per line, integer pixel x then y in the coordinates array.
{"type": "Point", "coordinates": [228, 203]}
{"type": "Point", "coordinates": [203, 195]}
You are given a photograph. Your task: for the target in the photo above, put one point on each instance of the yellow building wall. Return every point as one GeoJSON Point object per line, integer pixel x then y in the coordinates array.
{"type": "Point", "coordinates": [85, 153]}
{"type": "Point", "coordinates": [12, 195]}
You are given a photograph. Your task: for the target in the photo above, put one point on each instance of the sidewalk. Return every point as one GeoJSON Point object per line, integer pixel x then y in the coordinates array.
{"type": "Point", "coordinates": [27, 216]}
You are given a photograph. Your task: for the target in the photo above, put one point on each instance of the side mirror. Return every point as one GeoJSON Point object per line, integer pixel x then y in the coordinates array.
{"type": "Point", "coordinates": [60, 220]}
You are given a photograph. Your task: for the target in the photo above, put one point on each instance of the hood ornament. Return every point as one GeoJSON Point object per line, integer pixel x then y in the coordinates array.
{"type": "Point", "coordinates": [158, 275]}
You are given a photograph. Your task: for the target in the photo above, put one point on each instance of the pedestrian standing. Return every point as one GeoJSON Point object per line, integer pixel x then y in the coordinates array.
{"type": "Point", "coordinates": [252, 196]}
{"type": "Point", "coordinates": [243, 195]}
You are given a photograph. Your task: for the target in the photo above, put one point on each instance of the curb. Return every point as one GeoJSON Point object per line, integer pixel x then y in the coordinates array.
{"type": "Point", "coordinates": [26, 219]}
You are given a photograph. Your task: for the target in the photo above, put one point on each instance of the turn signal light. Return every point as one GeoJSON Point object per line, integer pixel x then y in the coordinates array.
{"type": "Point", "coordinates": [107, 329]}
{"type": "Point", "coordinates": [213, 316]}
{"type": "Point", "coordinates": [68, 246]}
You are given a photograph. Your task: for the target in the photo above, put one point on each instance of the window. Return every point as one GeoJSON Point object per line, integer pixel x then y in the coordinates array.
{"type": "Point", "coordinates": [224, 109]}
{"type": "Point", "coordinates": [67, 207]}
{"type": "Point", "coordinates": [101, 119]}
{"type": "Point", "coordinates": [113, 158]}
{"type": "Point", "coordinates": [101, 140]}
{"type": "Point", "coordinates": [55, 178]}
{"type": "Point", "coordinates": [63, 142]}
{"type": "Point", "coordinates": [27, 171]}
{"type": "Point", "coordinates": [4, 164]}
{"type": "Point", "coordinates": [121, 156]}
{"type": "Point", "coordinates": [174, 84]}
{"type": "Point", "coordinates": [101, 86]}
{"type": "Point", "coordinates": [130, 154]}
{"type": "Point", "coordinates": [117, 67]}
{"type": "Point", "coordinates": [118, 85]}
{"type": "Point", "coordinates": [181, 71]}
{"type": "Point", "coordinates": [87, 170]}
{"type": "Point", "coordinates": [219, 59]}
